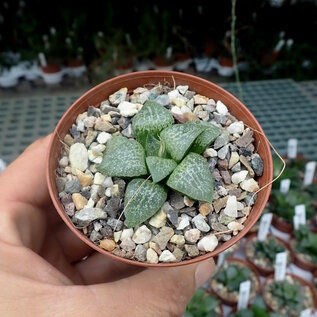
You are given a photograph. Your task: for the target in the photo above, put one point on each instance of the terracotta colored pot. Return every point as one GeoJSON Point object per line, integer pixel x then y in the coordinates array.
{"type": "Point", "coordinates": [281, 225]}
{"type": "Point", "coordinates": [308, 266]}
{"type": "Point", "coordinates": [232, 303]}
{"type": "Point", "coordinates": [131, 81]}
{"type": "Point", "coordinates": [225, 61]}
{"type": "Point", "coordinates": [261, 270]}
{"type": "Point", "coordinates": [295, 277]}
{"type": "Point", "coordinates": [51, 68]}
{"type": "Point", "coordinates": [75, 62]}
{"type": "Point", "coordinates": [162, 62]}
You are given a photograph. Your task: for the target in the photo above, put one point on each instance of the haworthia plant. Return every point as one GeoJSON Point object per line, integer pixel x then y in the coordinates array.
{"type": "Point", "coordinates": [142, 200]}
{"type": "Point", "coordinates": [152, 118]}
{"type": "Point", "coordinates": [160, 167]}
{"type": "Point", "coordinates": [162, 150]}
{"type": "Point", "coordinates": [123, 158]}
{"type": "Point", "coordinates": [192, 177]}
{"type": "Point", "coordinates": [178, 138]}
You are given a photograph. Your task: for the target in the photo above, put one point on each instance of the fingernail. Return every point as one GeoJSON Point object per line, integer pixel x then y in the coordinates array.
{"type": "Point", "coordinates": [204, 271]}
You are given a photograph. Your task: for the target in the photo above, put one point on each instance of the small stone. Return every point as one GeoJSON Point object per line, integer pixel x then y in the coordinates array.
{"type": "Point", "coordinates": [108, 192]}
{"type": "Point", "coordinates": [81, 126]}
{"type": "Point", "coordinates": [85, 216]}
{"type": "Point", "coordinates": [177, 200]}
{"type": "Point", "coordinates": [95, 154]}
{"type": "Point", "coordinates": [63, 162]}
{"type": "Point", "coordinates": [106, 108]}
{"type": "Point", "coordinates": [117, 236]}
{"type": "Point", "coordinates": [208, 243]}
{"type": "Point", "coordinates": [93, 111]}
{"type": "Point", "coordinates": [236, 127]}
{"type": "Point", "coordinates": [60, 184]}
{"type": "Point", "coordinates": [68, 140]}
{"type": "Point", "coordinates": [220, 203]}
{"type": "Point", "coordinates": [246, 139]}
{"type": "Point", "coordinates": [159, 219]}
{"type": "Point", "coordinates": [104, 137]}
{"type": "Point", "coordinates": [163, 237]}
{"type": "Point", "coordinates": [222, 191]}
{"type": "Point", "coordinates": [191, 250]}
{"type": "Point", "coordinates": [190, 211]}
{"type": "Point", "coordinates": [177, 99]}
{"type": "Point", "coordinates": [250, 185]}
{"type": "Point", "coordinates": [257, 164]}
{"type": "Point", "coordinates": [200, 223]}
{"type": "Point", "coordinates": [118, 96]}
{"type": "Point", "coordinates": [113, 206]}
{"type": "Point", "coordinates": [177, 114]}
{"type": "Point", "coordinates": [190, 104]}
{"type": "Point", "coordinates": [217, 226]}
{"type": "Point", "coordinates": [235, 226]}
{"type": "Point", "coordinates": [236, 168]}
{"type": "Point", "coordinates": [115, 223]}
{"type": "Point", "coordinates": [97, 226]}
{"type": "Point", "coordinates": [172, 216]}
{"type": "Point", "coordinates": [79, 201]}
{"type": "Point", "coordinates": [107, 117]}
{"type": "Point", "coordinates": [212, 162]}
{"type": "Point", "coordinates": [231, 208]}
{"type": "Point", "coordinates": [70, 209]}
{"type": "Point", "coordinates": [221, 140]}
{"type": "Point", "coordinates": [238, 177]}
{"type": "Point", "coordinates": [78, 157]}
{"type": "Point", "coordinates": [89, 122]}
{"type": "Point", "coordinates": [99, 179]}
{"type": "Point", "coordinates": [142, 235]}
{"type": "Point", "coordinates": [226, 177]}
{"type": "Point", "coordinates": [246, 163]}
{"type": "Point", "coordinates": [178, 239]}
{"type": "Point", "coordinates": [226, 237]}
{"type": "Point", "coordinates": [155, 247]}
{"type": "Point", "coordinates": [107, 244]}
{"type": "Point", "coordinates": [185, 109]}
{"type": "Point", "coordinates": [234, 158]}
{"type": "Point", "coordinates": [221, 108]}
{"type": "Point", "coordinates": [108, 182]}
{"type": "Point", "coordinates": [140, 253]}
{"type": "Point", "coordinates": [179, 254]}
{"type": "Point", "coordinates": [219, 118]}
{"type": "Point", "coordinates": [151, 256]}
{"type": "Point", "coordinates": [126, 233]}
{"type": "Point", "coordinates": [84, 179]}
{"type": "Point", "coordinates": [91, 136]}
{"type": "Point", "coordinates": [189, 116]}
{"type": "Point", "coordinates": [222, 153]}
{"type": "Point", "coordinates": [107, 232]}
{"type": "Point", "coordinates": [127, 244]}
{"type": "Point", "coordinates": [163, 100]}
{"type": "Point", "coordinates": [183, 222]}
{"type": "Point", "coordinates": [123, 122]}
{"type": "Point", "coordinates": [205, 209]}
{"type": "Point", "coordinates": [192, 235]}
{"type": "Point", "coordinates": [210, 153]}
{"type": "Point", "coordinates": [128, 132]}
{"type": "Point", "coordinates": [91, 203]}
{"type": "Point", "coordinates": [223, 164]}
{"type": "Point", "coordinates": [72, 186]}
{"type": "Point", "coordinates": [95, 236]}
{"type": "Point", "coordinates": [128, 109]}
{"type": "Point", "coordinates": [188, 202]}
{"type": "Point", "coordinates": [200, 100]}
{"type": "Point", "coordinates": [224, 219]}
{"type": "Point", "coordinates": [167, 257]}
{"type": "Point", "coordinates": [115, 192]}
{"type": "Point", "coordinates": [182, 89]}
{"type": "Point", "coordinates": [104, 126]}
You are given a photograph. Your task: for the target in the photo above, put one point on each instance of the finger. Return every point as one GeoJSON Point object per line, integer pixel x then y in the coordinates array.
{"type": "Point", "coordinates": [99, 269]}
{"type": "Point", "coordinates": [153, 292]}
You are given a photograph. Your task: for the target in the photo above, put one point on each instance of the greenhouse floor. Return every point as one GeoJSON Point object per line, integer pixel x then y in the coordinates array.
{"type": "Point", "coordinates": [285, 109]}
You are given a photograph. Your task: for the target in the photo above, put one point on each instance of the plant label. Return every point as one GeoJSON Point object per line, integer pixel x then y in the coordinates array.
{"type": "Point", "coordinates": [292, 148]}
{"type": "Point", "coordinates": [305, 313]}
{"type": "Point", "coordinates": [296, 222]}
{"type": "Point", "coordinates": [42, 59]}
{"type": "Point", "coordinates": [221, 258]}
{"type": "Point", "coordinates": [280, 266]}
{"type": "Point", "coordinates": [244, 293]}
{"type": "Point", "coordinates": [309, 173]}
{"type": "Point", "coordinates": [265, 224]}
{"type": "Point", "coordinates": [300, 212]}
{"type": "Point", "coordinates": [285, 185]}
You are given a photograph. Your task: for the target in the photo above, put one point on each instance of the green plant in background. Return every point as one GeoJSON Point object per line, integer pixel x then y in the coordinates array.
{"type": "Point", "coordinates": [306, 242]}
{"type": "Point", "coordinates": [268, 249]}
{"type": "Point", "coordinates": [168, 151]}
{"type": "Point", "coordinates": [202, 305]}
{"type": "Point", "coordinates": [232, 276]}
{"type": "Point", "coordinates": [253, 311]}
{"type": "Point", "coordinates": [288, 294]}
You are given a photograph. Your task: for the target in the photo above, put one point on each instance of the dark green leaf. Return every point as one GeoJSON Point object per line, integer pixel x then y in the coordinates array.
{"type": "Point", "coordinates": [152, 146]}
{"type": "Point", "coordinates": [142, 200]}
{"type": "Point", "coordinates": [152, 118]}
{"type": "Point", "coordinates": [160, 167]}
{"type": "Point", "coordinates": [193, 178]}
{"type": "Point", "coordinates": [178, 138]}
{"type": "Point", "coordinates": [123, 157]}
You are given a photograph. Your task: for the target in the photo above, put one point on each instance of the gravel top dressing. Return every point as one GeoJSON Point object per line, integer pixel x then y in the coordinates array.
{"type": "Point", "coordinates": [158, 174]}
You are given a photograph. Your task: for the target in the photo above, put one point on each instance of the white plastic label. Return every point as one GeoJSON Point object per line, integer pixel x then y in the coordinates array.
{"type": "Point", "coordinates": [309, 173]}
{"type": "Point", "coordinates": [296, 222]}
{"type": "Point", "coordinates": [280, 266]}
{"type": "Point", "coordinates": [221, 258]}
{"type": "Point", "coordinates": [265, 224]}
{"type": "Point", "coordinates": [306, 313]}
{"type": "Point", "coordinates": [300, 212]}
{"type": "Point", "coordinates": [285, 185]}
{"type": "Point", "coordinates": [42, 59]}
{"type": "Point", "coordinates": [292, 148]}
{"type": "Point", "coordinates": [244, 293]}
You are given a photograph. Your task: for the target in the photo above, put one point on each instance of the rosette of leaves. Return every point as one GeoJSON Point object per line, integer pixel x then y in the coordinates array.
{"type": "Point", "coordinates": [268, 249]}
{"type": "Point", "coordinates": [203, 305]}
{"type": "Point", "coordinates": [253, 311]}
{"type": "Point", "coordinates": [306, 242]}
{"type": "Point", "coordinates": [232, 276]}
{"type": "Point", "coordinates": [168, 152]}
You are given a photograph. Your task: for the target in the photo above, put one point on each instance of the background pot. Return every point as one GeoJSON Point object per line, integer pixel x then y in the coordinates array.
{"type": "Point", "coordinates": [281, 225]}
{"type": "Point", "coordinates": [244, 263]}
{"type": "Point", "coordinates": [261, 270]}
{"type": "Point", "coordinates": [131, 81]}
{"type": "Point", "coordinates": [308, 266]}
{"type": "Point", "coordinates": [52, 74]}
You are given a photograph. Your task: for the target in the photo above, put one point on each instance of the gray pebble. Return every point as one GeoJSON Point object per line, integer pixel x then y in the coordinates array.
{"type": "Point", "coordinates": [86, 193]}
{"type": "Point", "coordinates": [190, 211]}
{"type": "Point", "coordinates": [74, 132]}
{"type": "Point", "coordinates": [93, 111]}
{"type": "Point", "coordinates": [177, 200]}
{"type": "Point", "coordinates": [222, 140]}
{"type": "Point", "coordinates": [162, 100]}
{"type": "Point", "coordinates": [66, 199]}
{"type": "Point", "coordinates": [219, 118]}
{"type": "Point", "coordinates": [248, 198]}
{"type": "Point", "coordinates": [226, 237]}
{"type": "Point", "coordinates": [172, 216]}
{"type": "Point", "coordinates": [127, 244]}
{"type": "Point", "coordinates": [95, 236]}
{"type": "Point", "coordinates": [70, 209]}
{"type": "Point", "coordinates": [121, 183]}
{"type": "Point", "coordinates": [257, 164]}
{"type": "Point", "coordinates": [60, 183]}
{"type": "Point", "coordinates": [140, 253]}
{"type": "Point", "coordinates": [112, 207]}
{"type": "Point", "coordinates": [200, 223]}
{"type": "Point", "coordinates": [191, 250]}
{"type": "Point", "coordinates": [123, 122]}
{"type": "Point", "coordinates": [212, 162]}
{"type": "Point", "coordinates": [217, 226]}
{"type": "Point", "coordinates": [72, 186]}
{"type": "Point", "coordinates": [128, 132]}
{"type": "Point", "coordinates": [85, 216]}
{"type": "Point", "coordinates": [236, 167]}
{"type": "Point", "coordinates": [107, 108]}
{"type": "Point", "coordinates": [112, 222]}
{"type": "Point", "coordinates": [212, 218]}
{"type": "Point", "coordinates": [222, 153]}
{"type": "Point", "coordinates": [106, 231]}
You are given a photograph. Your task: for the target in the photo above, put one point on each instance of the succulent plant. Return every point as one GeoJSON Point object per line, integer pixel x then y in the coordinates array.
{"type": "Point", "coordinates": [306, 242]}
{"type": "Point", "coordinates": [202, 305]}
{"type": "Point", "coordinates": [268, 249]}
{"type": "Point", "coordinates": [253, 311]}
{"type": "Point", "coordinates": [232, 276]}
{"type": "Point", "coordinates": [168, 152]}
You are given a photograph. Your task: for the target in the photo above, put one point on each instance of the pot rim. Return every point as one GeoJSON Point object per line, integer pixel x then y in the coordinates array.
{"type": "Point", "coordinates": [163, 75]}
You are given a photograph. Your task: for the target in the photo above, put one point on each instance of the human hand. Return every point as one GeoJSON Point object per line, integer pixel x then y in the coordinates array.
{"type": "Point", "coordinates": [41, 268]}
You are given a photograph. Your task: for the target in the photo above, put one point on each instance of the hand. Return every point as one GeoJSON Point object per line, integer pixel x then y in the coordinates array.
{"type": "Point", "coordinates": [41, 268]}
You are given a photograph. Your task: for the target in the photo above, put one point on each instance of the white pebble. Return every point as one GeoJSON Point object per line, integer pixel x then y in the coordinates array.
{"type": "Point", "coordinates": [99, 179]}
{"type": "Point", "coordinates": [221, 108]}
{"type": "Point", "coordinates": [208, 243]}
{"type": "Point", "coordinates": [183, 223]}
{"type": "Point", "coordinates": [182, 89]}
{"type": "Point", "coordinates": [235, 226]}
{"type": "Point", "coordinates": [108, 192]}
{"type": "Point", "coordinates": [78, 157]}
{"type": "Point", "coordinates": [108, 182]}
{"type": "Point", "coordinates": [210, 153]}
{"type": "Point", "coordinates": [167, 256]}
{"type": "Point", "coordinates": [159, 219]}
{"type": "Point", "coordinates": [250, 185]}
{"type": "Point", "coordinates": [117, 235]}
{"type": "Point", "coordinates": [142, 235]}
{"type": "Point", "coordinates": [104, 137]}
{"type": "Point", "coordinates": [118, 96]}
{"type": "Point", "coordinates": [236, 127]}
{"type": "Point", "coordinates": [231, 208]}
{"type": "Point", "coordinates": [90, 203]}
{"type": "Point", "coordinates": [151, 256]}
{"type": "Point", "coordinates": [238, 177]}
{"type": "Point", "coordinates": [126, 233]}
{"type": "Point", "coordinates": [128, 109]}
{"type": "Point", "coordinates": [63, 162]}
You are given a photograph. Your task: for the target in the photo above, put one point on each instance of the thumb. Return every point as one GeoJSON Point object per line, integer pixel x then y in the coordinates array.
{"type": "Point", "coordinates": [154, 291]}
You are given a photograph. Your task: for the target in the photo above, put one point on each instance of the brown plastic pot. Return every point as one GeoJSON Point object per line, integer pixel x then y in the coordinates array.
{"type": "Point", "coordinates": [295, 277]}
{"type": "Point", "coordinates": [51, 68]}
{"type": "Point", "coordinates": [282, 225]}
{"type": "Point", "coordinates": [131, 81]}
{"type": "Point", "coordinates": [261, 270]}
{"type": "Point", "coordinates": [308, 266]}
{"type": "Point", "coordinates": [232, 303]}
